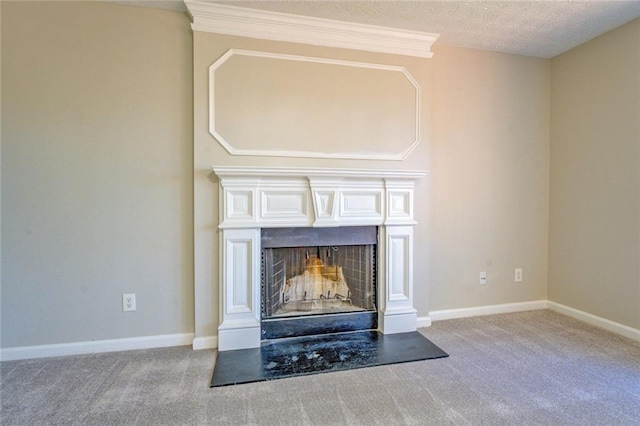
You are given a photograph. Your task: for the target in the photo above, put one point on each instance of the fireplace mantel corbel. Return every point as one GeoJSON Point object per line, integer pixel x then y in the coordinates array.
{"type": "Point", "coordinates": [252, 198]}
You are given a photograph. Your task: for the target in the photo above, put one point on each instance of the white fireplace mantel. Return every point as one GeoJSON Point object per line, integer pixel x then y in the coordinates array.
{"type": "Point", "coordinates": [252, 198]}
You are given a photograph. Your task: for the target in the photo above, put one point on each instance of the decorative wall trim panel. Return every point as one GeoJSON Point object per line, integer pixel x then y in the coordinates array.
{"type": "Point", "coordinates": [395, 117]}
{"type": "Point", "coordinates": [245, 22]}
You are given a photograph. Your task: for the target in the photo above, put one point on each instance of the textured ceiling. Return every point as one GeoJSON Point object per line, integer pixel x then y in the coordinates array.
{"type": "Point", "coordinates": [532, 28]}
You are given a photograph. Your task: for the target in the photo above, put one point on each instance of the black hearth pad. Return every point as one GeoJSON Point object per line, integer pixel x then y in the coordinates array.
{"type": "Point", "coordinates": [278, 359]}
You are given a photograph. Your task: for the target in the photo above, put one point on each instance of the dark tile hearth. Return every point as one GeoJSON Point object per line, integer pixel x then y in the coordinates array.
{"type": "Point", "coordinates": [281, 358]}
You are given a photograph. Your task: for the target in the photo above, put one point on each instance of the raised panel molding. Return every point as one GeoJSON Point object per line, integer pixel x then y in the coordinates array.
{"type": "Point", "coordinates": [397, 314]}
{"type": "Point", "coordinates": [363, 205]}
{"type": "Point", "coordinates": [245, 22]}
{"type": "Point", "coordinates": [315, 197]}
{"type": "Point", "coordinates": [239, 300]}
{"type": "Point", "coordinates": [239, 295]}
{"type": "Point", "coordinates": [241, 248]}
{"type": "Point", "coordinates": [399, 205]}
{"type": "Point", "coordinates": [399, 276]}
{"type": "Point", "coordinates": [285, 205]}
{"type": "Point", "coordinates": [240, 204]}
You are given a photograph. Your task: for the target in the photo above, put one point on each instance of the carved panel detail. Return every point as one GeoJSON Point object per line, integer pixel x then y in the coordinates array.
{"type": "Point", "coordinates": [239, 276]}
{"type": "Point", "coordinates": [361, 204]}
{"type": "Point", "coordinates": [399, 204]}
{"type": "Point", "coordinates": [398, 265]}
{"type": "Point", "coordinates": [285, 204]}
{"type": "Point", "coordinates": [239, 204]}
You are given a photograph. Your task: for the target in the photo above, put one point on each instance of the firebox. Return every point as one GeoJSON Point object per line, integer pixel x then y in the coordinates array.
{"type": "Point", "coordinates": [318, 280]}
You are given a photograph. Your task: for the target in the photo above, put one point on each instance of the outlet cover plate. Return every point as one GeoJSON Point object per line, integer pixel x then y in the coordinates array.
{"type": "Point", "coordinates": [129, 302]}
{"type": "Point", "coordinates": [518, 275]}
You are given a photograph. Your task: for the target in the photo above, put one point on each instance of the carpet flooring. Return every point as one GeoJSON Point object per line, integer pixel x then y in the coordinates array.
{"type": "Point", "coordinates": [530, 368]}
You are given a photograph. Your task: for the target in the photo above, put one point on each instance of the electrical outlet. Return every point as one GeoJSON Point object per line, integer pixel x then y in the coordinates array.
{"type": "Point", "coordinates": [129, 302]}
{"type": "Point", "coordinates": [483, 278]}
{"type": "Point", "coordinates": [518, 275]}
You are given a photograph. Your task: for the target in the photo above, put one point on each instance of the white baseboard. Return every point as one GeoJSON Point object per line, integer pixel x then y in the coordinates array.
{"type": "Point", "coordinates": [209, 342]}
{"type": "Point", "coordinates": [424, 321]}
{"type": "Point", "coordinates": [487, 310]}
{"type": "Point", "coordinates": [96, 346]}
{"type": "Point", "coordinates": [623, 330]}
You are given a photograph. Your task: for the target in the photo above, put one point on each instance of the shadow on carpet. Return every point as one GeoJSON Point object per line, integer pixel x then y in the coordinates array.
{"type": "Point", "coordinates": [299, 356]}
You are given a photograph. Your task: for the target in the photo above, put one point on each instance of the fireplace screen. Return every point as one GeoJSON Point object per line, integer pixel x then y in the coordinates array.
{"type": "Point", "coordinates": [321, 279]}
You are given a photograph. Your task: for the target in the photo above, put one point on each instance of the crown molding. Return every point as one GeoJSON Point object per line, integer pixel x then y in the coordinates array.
{"type": "Point", "coordinates": [239, 21]}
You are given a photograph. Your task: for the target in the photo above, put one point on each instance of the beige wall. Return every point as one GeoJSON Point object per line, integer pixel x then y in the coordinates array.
{"type": "Point", "coordinates": [107, 188]}
{"type": "Point", "coordinates": [486, 143]}
{"type": "Point", "coordinates": [0, 175]}
{"type": "Point", "coordinates": [489, 178]}
{"type": "Point", "coordinates": [96, 172]}
{"type": "Point", "coordinates": [595, 176]}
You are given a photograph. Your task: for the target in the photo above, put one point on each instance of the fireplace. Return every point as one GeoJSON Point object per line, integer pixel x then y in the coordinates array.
{"type": "Point", "coordinates": [311, 213]}
{"type": "Point", "coordinates": [318, 280]}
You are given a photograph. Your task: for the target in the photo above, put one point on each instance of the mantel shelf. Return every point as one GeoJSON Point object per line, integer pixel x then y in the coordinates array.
{"type": "Point", "coordinates": [239, 171]}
